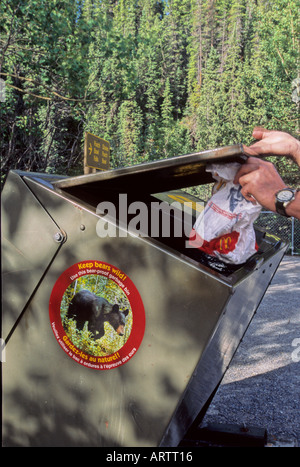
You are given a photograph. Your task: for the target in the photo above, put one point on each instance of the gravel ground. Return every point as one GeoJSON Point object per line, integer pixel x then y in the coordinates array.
{"type": "Point", "coordinates": [262, 385]}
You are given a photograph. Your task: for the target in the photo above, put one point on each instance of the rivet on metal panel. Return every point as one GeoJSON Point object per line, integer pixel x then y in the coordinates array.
{"type": "Point", "coordinates": [82, 227]}
{"type": "Point", "coordinates": [60, 237]}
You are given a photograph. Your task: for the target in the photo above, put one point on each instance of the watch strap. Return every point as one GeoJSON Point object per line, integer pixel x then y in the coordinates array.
{"type": "Point", "coordinates": [280, 208]}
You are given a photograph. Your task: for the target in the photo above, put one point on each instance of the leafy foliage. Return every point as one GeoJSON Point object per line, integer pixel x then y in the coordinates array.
{"type": "Point", "coordinates": [156, 78]}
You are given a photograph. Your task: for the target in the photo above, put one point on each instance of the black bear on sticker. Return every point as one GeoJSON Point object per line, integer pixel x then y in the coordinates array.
{"type": "Point", "coordinates": [86, 306]}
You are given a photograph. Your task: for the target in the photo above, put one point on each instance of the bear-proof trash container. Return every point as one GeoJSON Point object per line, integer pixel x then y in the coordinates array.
{"type": "Point", "coordinates": [117, 333]}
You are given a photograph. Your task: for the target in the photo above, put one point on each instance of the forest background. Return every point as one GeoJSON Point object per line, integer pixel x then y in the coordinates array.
{"type": "Point", "coordinates": [156, 78]}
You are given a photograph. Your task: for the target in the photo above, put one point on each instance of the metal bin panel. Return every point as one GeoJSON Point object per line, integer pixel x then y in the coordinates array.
{"type": "Point", "coordinates": [195, 316]}
{"type": "Point", "coordinates": [51, 400]}
{"type": "Point", "coordinates": [28, 246]}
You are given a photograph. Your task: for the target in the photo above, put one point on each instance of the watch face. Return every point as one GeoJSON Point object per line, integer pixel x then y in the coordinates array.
{"type": "Point", "coordinates": [285, 195]}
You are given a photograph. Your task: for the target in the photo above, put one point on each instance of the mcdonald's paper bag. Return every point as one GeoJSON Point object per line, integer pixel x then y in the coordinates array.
{"type": "Point", "coordinates": [225, 229]}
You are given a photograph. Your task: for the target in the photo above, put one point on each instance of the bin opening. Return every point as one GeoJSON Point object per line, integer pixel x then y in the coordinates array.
{"type": "Point", "coordinates": [166, 219]}
{"type": "Point", "coordinates": [180, 244]}
{"type": "Point", "coordinates": [194, 207]}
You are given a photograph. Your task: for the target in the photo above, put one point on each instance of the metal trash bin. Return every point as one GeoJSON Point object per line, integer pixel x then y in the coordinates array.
{"type": "Point", "coordinates": [181, 317]}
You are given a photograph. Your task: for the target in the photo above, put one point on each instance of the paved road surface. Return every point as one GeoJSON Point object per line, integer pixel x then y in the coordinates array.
{"type": "Point", "coordinates": [262, 386]}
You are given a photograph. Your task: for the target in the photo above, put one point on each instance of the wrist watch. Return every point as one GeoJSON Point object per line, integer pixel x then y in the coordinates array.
{"type": "Point", "coordinates": [283, 199]}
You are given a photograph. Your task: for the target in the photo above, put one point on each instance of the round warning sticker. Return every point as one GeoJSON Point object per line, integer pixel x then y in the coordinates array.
{"type": "Point", "coordinates": [97, 315]}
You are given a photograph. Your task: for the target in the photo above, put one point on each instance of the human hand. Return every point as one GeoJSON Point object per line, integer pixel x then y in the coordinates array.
{"type": "Point", "coordinates": [271, 142]}
{"type": "Point", "coordinates": [260, 182]}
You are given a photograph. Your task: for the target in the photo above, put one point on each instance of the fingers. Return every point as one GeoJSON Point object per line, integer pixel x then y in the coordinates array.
{"type": "Point", "coordinates": [247, 194]}
{"type": "Point", "coordinates": [260, 132]}
{"type": "Point", "coordinates": [261, 148]}
{"type": "Point", "coordinates": [273, 142]}
{"type": "Point", "coordinates": [251, 165]}
{"type": "Point", "coordinates": [242, 179]}
{"type": "Point", "coordinates": [259, 181]}
{"type": "Point", "coordinates": [269, 142]}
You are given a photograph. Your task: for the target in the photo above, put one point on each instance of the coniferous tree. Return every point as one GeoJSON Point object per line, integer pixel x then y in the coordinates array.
{"type": "Point", "coordinates": [154, 78]}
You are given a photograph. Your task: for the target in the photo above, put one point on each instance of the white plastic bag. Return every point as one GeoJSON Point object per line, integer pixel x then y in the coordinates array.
{"type": "Point", "coordinates": [224, 229]}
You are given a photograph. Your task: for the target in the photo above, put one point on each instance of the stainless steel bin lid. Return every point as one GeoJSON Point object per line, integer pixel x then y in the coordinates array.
{"type": "Point", "coordinates": [158, 176]}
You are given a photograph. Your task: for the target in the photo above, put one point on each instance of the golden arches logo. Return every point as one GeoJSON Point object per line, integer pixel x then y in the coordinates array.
{"type": "Point", "coordinates": [225, 243]}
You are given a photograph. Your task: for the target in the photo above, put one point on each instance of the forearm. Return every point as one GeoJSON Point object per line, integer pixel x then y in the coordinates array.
{"type": "Point", "coordinates": [296, 155]}
{"type": "Point", "coordinates": [293, 209]}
